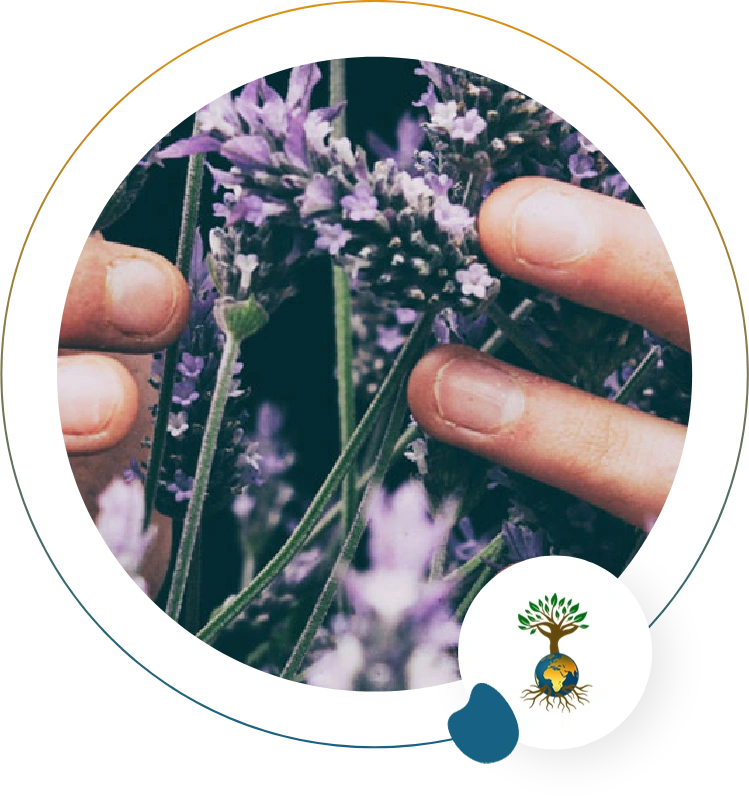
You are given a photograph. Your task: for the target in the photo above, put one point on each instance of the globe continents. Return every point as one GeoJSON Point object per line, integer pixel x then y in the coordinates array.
{"type": "Point", "coordinates": [557, 673]}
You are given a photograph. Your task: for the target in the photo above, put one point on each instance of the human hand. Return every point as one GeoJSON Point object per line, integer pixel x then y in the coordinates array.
{"type": "Point", "coordinates": [128, 300]}
{"type": "Point", "coordinates": [599, 252]}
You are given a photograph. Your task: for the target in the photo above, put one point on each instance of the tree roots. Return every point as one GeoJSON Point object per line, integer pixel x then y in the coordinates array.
{"type": "Point", "coordinates": [564, 700]}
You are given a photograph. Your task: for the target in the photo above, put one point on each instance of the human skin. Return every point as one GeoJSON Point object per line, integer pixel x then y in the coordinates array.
{"type": "Point", "coordinates": [589, 248]}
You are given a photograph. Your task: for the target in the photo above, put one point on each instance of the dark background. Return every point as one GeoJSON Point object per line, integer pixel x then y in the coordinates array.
{"type": "Point", "coordinates": [72, 683]}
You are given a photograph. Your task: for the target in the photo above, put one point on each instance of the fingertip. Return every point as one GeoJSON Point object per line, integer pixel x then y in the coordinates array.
{"type": "Point", "coordinates": [97, 400]}
{"type": "Point", "coordinates": [421, 392]}
{"type": "Point", "coordinates": [496, 217]}
{"type": "Point", "coordinates": [123, 298]}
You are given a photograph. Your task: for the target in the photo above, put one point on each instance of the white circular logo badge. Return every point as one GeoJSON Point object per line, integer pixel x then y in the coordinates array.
{"type": "Point", "coordinates": [565, 643]}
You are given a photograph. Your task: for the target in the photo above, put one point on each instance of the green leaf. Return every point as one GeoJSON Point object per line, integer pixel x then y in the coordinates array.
{"type": "Point", "coordinates": [561, 602]}
{"type": "Point", "coordinates": [583, 627]}
{"type": "Point", "coordinates": [580, 617]}
{"type": "Point", "coordinates": [523, 620]}
{"type": "Point", "coordinates": [533, 606]}
{"type": "Point", "coordinates": [574, 608]}
{"type": "Point", "coordinates": [564, 611]}
{"type": "Point", "coordinates": [533, 631]}
{"type": "Point", "coordinates": [557, 614]}
{"type": "Point", "coordinates": [538, 616]}
{"type": "Point", "coordinates": [554, 599]}
{"type": "Point", "coordinates": [522, 628]}
{"type": "Point", "coordinates": [546, 598]}
{"type": "Point", "coordinates": [546, 608]}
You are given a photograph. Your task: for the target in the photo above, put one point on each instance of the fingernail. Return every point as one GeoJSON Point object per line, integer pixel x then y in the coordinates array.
{"type": "Point", "coordinates": [477, 396]}
{"type": "Point", "coordinates": [141, 296]}
{"type": "Point", "coordinates": [88, 395]}
{"type": "Point", "coordinates": [549, 229]}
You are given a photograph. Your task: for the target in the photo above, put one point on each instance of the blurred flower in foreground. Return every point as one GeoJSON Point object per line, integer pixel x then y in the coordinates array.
{"type": "Point", "coordinates": [120, 522]}
{"type": "Point", "coordinates": [401, 633]}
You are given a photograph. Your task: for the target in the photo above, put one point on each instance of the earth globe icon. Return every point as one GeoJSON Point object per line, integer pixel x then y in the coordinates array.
{"type": "Point", "coordinates": [557, 673]}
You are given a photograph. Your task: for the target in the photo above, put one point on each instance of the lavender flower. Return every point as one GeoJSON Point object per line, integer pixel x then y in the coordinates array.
{"type": "Point", "coordinates": [120, 522]}
{"type": "Point", "coordinates": [401, 633]}
{"type": "Point", "coordinates": [468, 127]}
{"type": "Point", "coordinates": [475, 281]}
{"type": "Point", "coordinates": [234, 465]}
{"type": "Point", "coordinates": [331, 238]}
{"type": "Point", "coordinates": [289, 190]}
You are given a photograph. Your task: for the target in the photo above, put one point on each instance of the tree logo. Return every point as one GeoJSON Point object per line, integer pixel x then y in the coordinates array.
{"type": "Point", "coordinates": [557, 675]}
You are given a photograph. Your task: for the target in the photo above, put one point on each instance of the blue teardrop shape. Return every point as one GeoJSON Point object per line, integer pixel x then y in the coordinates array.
{"type": "Point", "coordinates": [486, 729]}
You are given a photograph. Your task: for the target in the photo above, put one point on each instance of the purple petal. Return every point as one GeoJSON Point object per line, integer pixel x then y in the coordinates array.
{"type": "Point", "coordinates": [301, 82]}
{"type": "Point", "coordinates": [247, 104]}
{"type": "Point", "coordinates": [190, 146]}
{"type": "Point", "coordinates": [247, 150]}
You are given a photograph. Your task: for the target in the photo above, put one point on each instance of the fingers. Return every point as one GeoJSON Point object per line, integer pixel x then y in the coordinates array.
{"type": "Point", "coordinates": [589, 248]}
{"type": "Point", "coordinates": [619, 459]}
{"type": "Point", "coordinates": [98, 401]}
{"type": "Point", "coordinates": [95, 471]}
{"type": "Point", "coordinates": [123, 299]}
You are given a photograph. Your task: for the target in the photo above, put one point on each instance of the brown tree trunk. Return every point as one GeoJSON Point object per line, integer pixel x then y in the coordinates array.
{"type": "Point", "coordinates": [554, 643]}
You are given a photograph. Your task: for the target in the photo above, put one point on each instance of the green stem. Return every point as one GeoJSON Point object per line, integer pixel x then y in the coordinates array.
{"type": "Point", "coordinates": [342, 313]}
{"type": "Point", "coordinates": [202, 475]}
{"type": "Point", "coordinates": [642, 370]}
{"type": "Point", "coordinates": [345, 378]}
{"type": "Point", "coordinates": [543, 363]}
{"type": "Point", "coordinates": [301, 534]}
{"type": "Point", "coordinates": [190, 208]}
{"type": "Point", "coordinates": [484, 577]}
{"type": "Point", "coordinates": [338, 94]}
{"type": "Point", "coordinates": [487, 554]}
{"type": "Point", "coordinates": [353, 537]}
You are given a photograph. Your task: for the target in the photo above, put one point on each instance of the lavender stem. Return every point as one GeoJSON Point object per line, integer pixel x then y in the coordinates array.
{"type": "Point", "coordinates": [190, 208]}
{"type": "Point", "coordinates": [191, 524]}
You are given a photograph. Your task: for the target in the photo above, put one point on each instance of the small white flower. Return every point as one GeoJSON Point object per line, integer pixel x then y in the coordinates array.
{"type": "Point", "coordinates": [417, 453]}
{"type": "Point", "coordinates": [414, 189]}
{"type": "Point", "coordinates": [443, 115]}
{"type": "Point", "coordinates": [246, 263]}
{"type": "Point", "coordinates": [344, 152]}
{"type": "Point", "coordinates": [177, 424]}
{"type": "Point", "coordinates": [475, 280]}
